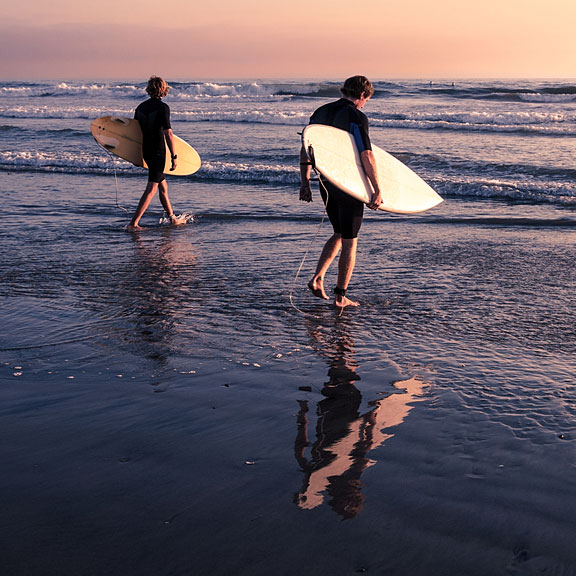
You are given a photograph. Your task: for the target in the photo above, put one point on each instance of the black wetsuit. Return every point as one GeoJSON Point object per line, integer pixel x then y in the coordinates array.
{"type": "Point", "coordinates": [154, 117]}
{"type": "Point", "coordinates": [344, 211]}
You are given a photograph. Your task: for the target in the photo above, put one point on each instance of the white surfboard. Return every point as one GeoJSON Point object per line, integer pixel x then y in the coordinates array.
{"type": "Point", "coordinates": [123, 137]}
{"type": "Point", "coordinates": [336, 157]}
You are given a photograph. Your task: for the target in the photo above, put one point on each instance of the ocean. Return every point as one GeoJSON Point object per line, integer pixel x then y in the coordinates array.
{"type": "Point", "coordinates": [490, 139]}
{"type": "Point", "coordinates": [175, 402]}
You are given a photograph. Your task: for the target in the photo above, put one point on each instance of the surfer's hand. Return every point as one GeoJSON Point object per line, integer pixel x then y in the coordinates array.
{"type": "Point", "coordinates": [376, 201]}
{"type": "Point", "coordinates": [174, 164]}
{"type": "Point", "coordinates": [305, 192]}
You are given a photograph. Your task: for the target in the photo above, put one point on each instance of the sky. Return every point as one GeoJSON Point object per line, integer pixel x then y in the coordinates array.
{"type": "Point", "coordinates": [233, 39]}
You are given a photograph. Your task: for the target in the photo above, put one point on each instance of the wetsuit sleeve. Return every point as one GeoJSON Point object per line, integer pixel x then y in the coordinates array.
{"type": "Point", "coordinates": [165, 120]}
{"type": "Point", "coordinates": [359, 129]}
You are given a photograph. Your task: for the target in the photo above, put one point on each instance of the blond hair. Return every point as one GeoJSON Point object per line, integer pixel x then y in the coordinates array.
{"type": "Point", "coordinates": [157, 87]}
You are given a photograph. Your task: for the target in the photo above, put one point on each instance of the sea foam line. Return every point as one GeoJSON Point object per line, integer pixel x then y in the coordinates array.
{"type": "Point", "coordinates": [520, 188]}
{"type": "Point", "coordinates": [535, 122]}
{"type": "Point", "coordinates": [517, 91]}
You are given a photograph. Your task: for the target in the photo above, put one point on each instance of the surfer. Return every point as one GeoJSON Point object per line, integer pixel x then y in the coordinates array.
{"type": "Point", "coordinates": [153, 115]}
{"type": "Point", "coordinates": [344, 211]}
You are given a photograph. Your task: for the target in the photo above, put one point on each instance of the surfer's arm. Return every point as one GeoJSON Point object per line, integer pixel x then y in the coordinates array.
{"type": "Point", "coordinates": [369, 165]}
{"type": "Point", "coordinates": [169, 136]}
{"type": "Point", "coordinates": [305, 170]}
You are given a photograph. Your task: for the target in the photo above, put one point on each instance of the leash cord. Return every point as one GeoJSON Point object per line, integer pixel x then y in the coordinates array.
{"type": "Point", "coordinates": [115, 180]}
{"type": "Point", "coordinates": [116, 187]}
{"type": "Point", "coordinates": [309, 245]}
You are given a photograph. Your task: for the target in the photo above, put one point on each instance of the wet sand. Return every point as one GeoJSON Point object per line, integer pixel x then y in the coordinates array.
{"type": "Point", "coordinates": [165, 411]}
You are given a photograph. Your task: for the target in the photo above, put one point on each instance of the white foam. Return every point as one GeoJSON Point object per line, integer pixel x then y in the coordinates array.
{"type": "Point", "coordinates": [535, 122]}
{"type": "Point", "coordinates": [61, 112]}
{"type": "Point", "coordinates": [514, 189]}
{"type": "Point", "coordinates": [72, 162]}
{"type": "Point", "coordinates": [186, 217]}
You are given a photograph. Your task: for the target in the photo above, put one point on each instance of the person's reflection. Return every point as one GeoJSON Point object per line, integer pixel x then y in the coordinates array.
{"type": "Point", "coordinates": [345, 435]}
{"type": "Point", "coordinates": [154, 290]}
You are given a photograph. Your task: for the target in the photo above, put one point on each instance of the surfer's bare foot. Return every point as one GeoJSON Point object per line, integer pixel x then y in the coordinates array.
{"type": "Point", "coordinates": [132, 228]}
{"type": "Point", "coordinates": [342, 302]}
{"type": "Point", "coordinates": [318, 290]}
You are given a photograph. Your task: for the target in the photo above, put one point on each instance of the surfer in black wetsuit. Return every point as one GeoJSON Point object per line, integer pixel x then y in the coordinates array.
{"type": "Point", "coordinates": [344, 211]}
{"type": "Point", "coordinates": [153, 115]}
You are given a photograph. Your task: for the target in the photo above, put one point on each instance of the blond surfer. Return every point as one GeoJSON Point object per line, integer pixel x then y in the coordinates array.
{"type": "Point", "coordinates": [153, 115]}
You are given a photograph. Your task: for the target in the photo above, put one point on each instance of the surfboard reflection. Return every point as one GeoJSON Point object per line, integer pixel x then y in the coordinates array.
{"type": "Point", "coordinates": [344, 435]}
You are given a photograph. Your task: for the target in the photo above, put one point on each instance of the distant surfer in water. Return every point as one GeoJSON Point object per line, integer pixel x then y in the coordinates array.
{"type": "Point", "coordinates": [344, 211]}
{"type": "Point", "coordinates": [153, 115]}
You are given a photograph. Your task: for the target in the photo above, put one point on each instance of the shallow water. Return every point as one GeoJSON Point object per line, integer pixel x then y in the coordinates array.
{"type": "Point", "coordinates": [159, 389]}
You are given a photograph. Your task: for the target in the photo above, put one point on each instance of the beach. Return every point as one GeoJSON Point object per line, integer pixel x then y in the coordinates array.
{"type": "Point", "coordinates": [175, 402]}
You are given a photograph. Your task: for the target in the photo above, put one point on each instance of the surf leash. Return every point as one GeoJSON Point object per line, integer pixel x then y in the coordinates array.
{"type": "Point", "coordinates": [313, 239]}
{"type": "Point", "coordinates": [115, 180]}
{"type": "Point", "coordinates": [116, 187]}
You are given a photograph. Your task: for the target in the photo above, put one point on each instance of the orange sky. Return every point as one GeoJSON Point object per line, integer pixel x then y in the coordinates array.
{"type": "Point", "coordinates": [129, 39]}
